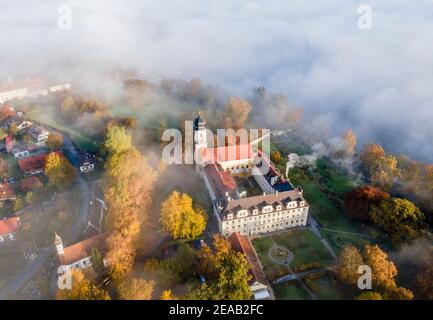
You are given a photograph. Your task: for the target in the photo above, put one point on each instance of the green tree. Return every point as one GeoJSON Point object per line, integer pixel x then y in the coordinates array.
{"type": "Point", "coordinates": [399, 218]}
{"type": "Point", "coordinates": [59, 171]}
{"type": "Point", "coordinates": [180, 218]}
{"type": "Point", "coordinates": [97, 260]}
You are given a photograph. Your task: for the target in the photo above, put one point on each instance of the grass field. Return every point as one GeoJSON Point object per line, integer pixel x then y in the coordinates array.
{"type": "Point", "coordinates": [306, 248]}
{"type": "Point", "coordinates": [291, 290]}
{"type": "Point", "coordinates": [326, 288]}
{"type": "Point", "coordinates": [272, 270]}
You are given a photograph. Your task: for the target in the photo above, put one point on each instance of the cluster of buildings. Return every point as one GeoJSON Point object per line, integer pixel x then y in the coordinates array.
{"type": "Point", "coordinates": [244, 199]}
{"type": "Point", "coordinates": [28, 88]}
{"type": "Point", "coordinates": [249, 197]}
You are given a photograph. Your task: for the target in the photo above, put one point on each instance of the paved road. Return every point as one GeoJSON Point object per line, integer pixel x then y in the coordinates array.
{"type": "Point", "coordinates": [72, 153]}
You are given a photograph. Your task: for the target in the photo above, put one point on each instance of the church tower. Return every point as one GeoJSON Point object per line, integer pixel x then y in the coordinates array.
{"type": "Point", "coordinates": [200, 137]}
{"type": "Point", "coordinates": [59, 244]}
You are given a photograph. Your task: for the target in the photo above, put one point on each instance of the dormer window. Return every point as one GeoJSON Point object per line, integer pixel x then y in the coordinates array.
{"type": "Point", "coordinates": [230, 216]}
{"type": "Point", "coordinates": [278, 208]}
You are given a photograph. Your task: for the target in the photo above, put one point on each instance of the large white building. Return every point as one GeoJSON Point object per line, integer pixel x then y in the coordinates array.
{"type": "Point", "coordinates": [244, 200]}
{"type": "Point", "coordinates": [28, 88]}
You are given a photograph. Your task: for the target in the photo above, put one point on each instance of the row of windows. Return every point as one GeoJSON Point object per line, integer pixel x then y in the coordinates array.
{"type": "Point", "coordinates": [266, 228]}
{"type": "Point", "coordinates": [275, 214]}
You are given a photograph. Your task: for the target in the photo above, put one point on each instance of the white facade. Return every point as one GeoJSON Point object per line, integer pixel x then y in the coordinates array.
{"type": "Point", "coordinates": [269, 219]}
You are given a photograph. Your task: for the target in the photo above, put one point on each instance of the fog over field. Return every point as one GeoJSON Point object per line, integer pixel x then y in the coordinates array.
{"type": "Point", "coordinates": [377, 82]}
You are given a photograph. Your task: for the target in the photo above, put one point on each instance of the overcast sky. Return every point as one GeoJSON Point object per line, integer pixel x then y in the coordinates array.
{"type": "Point", "coordinates": [378, 81]}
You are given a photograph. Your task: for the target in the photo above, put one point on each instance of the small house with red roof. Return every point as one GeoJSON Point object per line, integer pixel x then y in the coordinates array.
{"type": "Point", "coordinates": [8, 228]}
{"type": "Point", "coordinates": [6, 192]}
{"type": "Point", "coordinates": [79, 255]}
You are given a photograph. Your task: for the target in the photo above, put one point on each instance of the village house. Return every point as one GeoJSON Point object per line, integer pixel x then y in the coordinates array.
{"type": "Point", "coordinates": [8, 228]}
{"type": "Point", "coordinates": [34, 165]}
{"type": "Point", "coordinates": [258, 283]}
{"type": "Point", "coordinates": [79, 255]}
{"type": "Point", "coordinates": [87, 162]}
{"type": "Point", "coordinates": [23, 88]}
{"type": "Point", "coordinates": [26, 151]}
{"type": "Point", "coordinates": [38, 134]}
{"type": "Point", "coordinates": [6, 192]}
{"type": "Point", "coordinates": [32, 88]}
{"type": "Point", "coordinates": [19, 122]}
{"type": "Point", "coordinates": [245, 200]}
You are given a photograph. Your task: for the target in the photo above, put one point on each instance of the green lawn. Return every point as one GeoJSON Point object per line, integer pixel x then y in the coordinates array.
{"type": "Point", "coordinates": [326, 288]}
{"type": "Point", "coordinates": [272, 270]}
{"type": "Point", "coordinates": [306, 248]}
{"type": "Point", "coordinates": [291, 290]}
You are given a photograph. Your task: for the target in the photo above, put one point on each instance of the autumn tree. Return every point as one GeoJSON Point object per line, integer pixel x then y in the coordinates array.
{"type": "Point", "coordinates": [127, 189]}
{"type": "Point", "coordinates": [349, 261]}
{"type": "Point", "coordinates": [167, 295]}
{"type": "Point", "coordinates": [180, 218]}
{"type": "Point", "coordinates": [424, 283]}
{"type": "Point", "coordinates": [369, 295]}
{"type": "Point", "coordinates": [59, 171]}
{"type": "Point", "coordinates": [228, 274]}
{"type": "Point", "coordinates": [399, 218]}
{"type": "Point", "coordinates": [3, 134]}
{"type": "Point", "coordinates": [97, 260]}
{"type": "Point", "coordinates": [236, 113]}
{"type": "Point", "coordinates": [5, 112]}
{"type": "Point", "coordinates": [358, 201]}
{"type": "Point", "coordinates": [371, 153]}
{"type": "Point", "coordinates": [383, 270]}
{"type": "Point", "coordinates": [82, 289]}
{"type": "Point", "coordinates": [136, 289]}
{"type": "Point", "coordinates": [349, 139]}
{"type": "Point", "coordinates": [276, 157]}
{"type": "Point", "coordinates": [116, 140]}
{"type": "Point", "coordinates": [54, 141]}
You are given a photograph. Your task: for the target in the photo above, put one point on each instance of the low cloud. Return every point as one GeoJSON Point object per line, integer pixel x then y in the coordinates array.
{"type": "Point", "coordinates": [377, 82]}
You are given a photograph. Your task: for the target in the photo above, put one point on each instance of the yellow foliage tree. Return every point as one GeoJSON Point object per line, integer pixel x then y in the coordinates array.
{"type": "Point", "coordinates": [59, 171]}
{"type": "Point", "coordinates": [180, 218]}
{"type": "Point", "coordinates": [136, 289]}
{"type": "Point", "coordinates": [82, 289]}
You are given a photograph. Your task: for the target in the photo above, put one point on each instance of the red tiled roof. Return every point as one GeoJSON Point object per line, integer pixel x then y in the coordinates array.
{"type": "Point", "coordinates": [34, 163]}
{"type": "Point", "coordinates": [30, 183]}
{"type": "Point", "coordinates": [241, 244]}
{"type": "Point", "coordinates": [228, 153]}
{"type": "Point", "coordinates": [9, 225]}
{"type": "Point", "coordinates": [220, 181]}
{"type": "Point", "coordinates": [83, 249]}
{"type": "Point", "coordinates": [6, 192]}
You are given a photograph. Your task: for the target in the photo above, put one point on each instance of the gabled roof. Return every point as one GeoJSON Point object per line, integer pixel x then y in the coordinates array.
{"type": "Point", "coordinates": [83, 249]}
{"type": "Point", "coordinates": [8, 226]}
{"type": "Point", "coordinates": [241, 244]}
{"type": "Point", "coordinates": [6, 192]}
{"type": "Point", "coordinates": [35, 162]}
{"type": "Point", "coordinates": [221, 182]}
{"type": "Point", "coordinates": [265, 200]}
